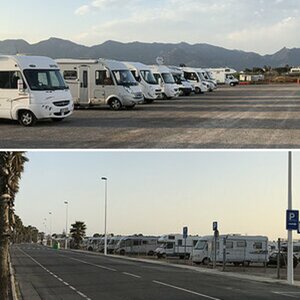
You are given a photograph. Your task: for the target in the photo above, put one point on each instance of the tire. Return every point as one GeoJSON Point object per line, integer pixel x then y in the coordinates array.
{"type": "Point", "coordinates": [206, 261]}
{"type": "Point", "coordinates": [90, 249]}
{"type": "Point", "coordinates": [232, 84]}
{"type": "Point", "coordinates": [115, 104]}
{"type": "Point", "coordinates": [27, 118]}
{"type": "Point", "coordinates": [197, 90]}
{"type": "Point", "coordinates": [122, 252]}
{"type": "Point", "coordinates": [56, 120]}
{"type": "Point", "coordinates": [150, 253]}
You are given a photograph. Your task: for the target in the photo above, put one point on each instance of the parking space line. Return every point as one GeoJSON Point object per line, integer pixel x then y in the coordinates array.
{"type": "Point", "coordinates": [185, 290]}
{"type": "Point", "coordinates": [55, 276]}
{"type": "Point", "coordinates": [132, 275]}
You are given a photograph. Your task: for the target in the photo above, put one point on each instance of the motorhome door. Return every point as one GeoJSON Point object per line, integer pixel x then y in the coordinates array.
{"type": "Point", "coordinates": [84, 84]}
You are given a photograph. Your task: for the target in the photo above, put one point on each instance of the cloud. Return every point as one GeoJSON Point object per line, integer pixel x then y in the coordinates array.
{"type": "Point", "coordinates": [82, 10]}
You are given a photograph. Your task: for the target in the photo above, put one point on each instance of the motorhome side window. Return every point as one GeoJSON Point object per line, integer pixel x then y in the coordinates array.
{"type": "Point", "coordinates": [9, 79]}
{"type": "Point", "coordinates": [257, 245]}
{"type": "Point", "coordinates": [70, 75]}
{"type": "Point", "coordinates": [102, 79]}
{"type": "Point", "coordinates": [179, 242]}
{"type": "Point", "coordinates": [241, 244]}
{"type": "Point", "coordinates": [229, 244]}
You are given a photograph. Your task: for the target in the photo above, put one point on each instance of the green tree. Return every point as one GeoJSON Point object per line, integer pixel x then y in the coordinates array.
{"type": "Point", "coordinates": [77, 233]}
{"type": "Point", "coordinates": [11, 168]}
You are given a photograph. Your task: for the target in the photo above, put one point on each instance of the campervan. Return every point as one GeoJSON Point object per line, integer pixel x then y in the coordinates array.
{"type": "Point", "coordinates": [185, 88]}
{"type": "Point", "coordinates": [93, 243]}
{"type": "Point", "coordinates": [175, 245]}
{"type": "Point", "coordinates": [136, 245]}
{"type": "Point", "coordinates": [192, 76]}
{"type": "Point", "coordinates": [96, 82]}
{"type": "Point", "coordinates": [166, 81]}
{"type": "Point", "coordinates": [205, 75]}
{"type": "Point", "coordinates": [209, 84]}
{"type": "Point", "coordinates": [224, 76]}
{"type": "Point", "coordinates": [111, 245]}
{"type": "Point", "coordinates": [32, 88]}
{"type": "Point", "coordinates": [148, 84]}
{"type": "Point", "coordinates": [238, 249]}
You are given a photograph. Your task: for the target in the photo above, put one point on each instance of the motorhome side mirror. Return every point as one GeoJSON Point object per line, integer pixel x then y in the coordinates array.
{"type": "Point", "coordinates": [20, 85]}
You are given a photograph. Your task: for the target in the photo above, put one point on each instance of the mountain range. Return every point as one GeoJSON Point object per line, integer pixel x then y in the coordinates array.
{"type": "Point", "coordinates": [197, 55]}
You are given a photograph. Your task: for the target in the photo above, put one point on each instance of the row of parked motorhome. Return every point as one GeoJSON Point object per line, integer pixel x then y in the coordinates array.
{"type": "Point", "coordinates": [33, 88]}
{"type": "Point", "coordinates": [234, 249]}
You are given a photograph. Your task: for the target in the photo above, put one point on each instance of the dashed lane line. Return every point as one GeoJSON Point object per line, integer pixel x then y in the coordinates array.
{"type": "Point", "coordinates": [288, 294]}
{"type": "Point", "coordinates": [55, 276]}
{"type": "Point", "coordinates": [185, 290]}
{"type": "Point", "coordinates": [132, 275]}
{"type": "Point", "coordinates": [91, 264]}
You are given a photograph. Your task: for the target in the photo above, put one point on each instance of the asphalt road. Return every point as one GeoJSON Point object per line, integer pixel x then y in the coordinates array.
{"type": "Point", "coordinates": [44, 273]}
{"type": "Point", "coordinates": [240, 117]}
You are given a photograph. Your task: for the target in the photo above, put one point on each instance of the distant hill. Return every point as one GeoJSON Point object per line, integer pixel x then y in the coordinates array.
{"type": "Point", "coordinates": [198, 55]}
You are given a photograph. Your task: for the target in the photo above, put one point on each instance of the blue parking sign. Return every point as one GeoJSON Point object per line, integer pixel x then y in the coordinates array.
{"type": "Point", "coordinates": [292, 219]}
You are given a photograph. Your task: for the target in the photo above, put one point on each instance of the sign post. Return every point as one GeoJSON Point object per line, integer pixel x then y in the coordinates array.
{"type": "Point", "coordinates": [185, 235]}
{"type": "Point", "coordinates": [216, 235]}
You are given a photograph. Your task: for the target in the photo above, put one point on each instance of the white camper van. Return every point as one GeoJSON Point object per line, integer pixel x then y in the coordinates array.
{"type": "Point", "coordinates": [32, 88]}
{"type": "Point", "coordinates": [192, 76]}
{"type": "Point", "coordinates": [113, 243]}
{"type": "Point", "coordinates": [175, 245]}
{"type": "Point", "coordinates": [224, 76]}
{"type": "Point", "coordinates": [144, 76]}
{"type": "Point", "coordinates": [165, 79]}
{"type": "Point", "coordinates": [207, 77]}
{"type": "Point", "coordinates": [95, 82]}
{"type": "Point", "coordinates": [136, 245]}
{"type": "Point", "coordinates": [239, 249]}
{"type": "Point", "coordinates": [185, 87]}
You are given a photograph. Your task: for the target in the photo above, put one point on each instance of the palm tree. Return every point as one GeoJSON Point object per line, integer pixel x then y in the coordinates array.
{"type": "Point", "coordinates": [78, 233]}
{"type": "Point", "coordinates": [11, 168]}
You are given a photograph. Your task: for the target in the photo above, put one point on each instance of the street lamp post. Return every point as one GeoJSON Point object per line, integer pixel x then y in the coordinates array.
{"type": "Point", "coordinates": [105, 217]}
{"type": "Point", "coordinates": [50, 220]}
{"type": "Point", "coordinates": [290, 268]}
{"type": "Point", "coordinates": [66, 240]}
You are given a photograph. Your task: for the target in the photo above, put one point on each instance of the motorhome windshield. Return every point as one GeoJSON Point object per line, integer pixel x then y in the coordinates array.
{"type": "Point", "coordinates": [124, 77]}
{"type": "Point", "coordinates": [168, 78]}
{"type": "Point", "coordinates": [200, 245]}
{"type": "Point", "coordinates": [43, 80]}
{"type": "Point", "coordinates": [148, 76]}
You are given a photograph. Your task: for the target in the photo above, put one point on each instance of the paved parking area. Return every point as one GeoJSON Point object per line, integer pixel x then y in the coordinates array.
{"type": "Point", "coordinates": [240, 117]}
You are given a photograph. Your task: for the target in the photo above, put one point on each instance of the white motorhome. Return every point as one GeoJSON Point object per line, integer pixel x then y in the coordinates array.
{"type": "Point", "coordinates": [96, 82]}
{"type": "Point", "coordinates": [165, 79]}
{"type": "Point", "coordinates": [205, 75]}
{"type": "Point", "coordinates": [192, 76]}
{"type": "Point", "coordinates": [224, 76]}
{"type": "Point", "coordinates": [239, 249]}
{"type": "Point", "coordinates": [210, 85]}
{"type": "Point", "coordinates": [136, 245]}
{"type": "Point", "coordinates": [185, 87]}
{"type": "Point", "coordinates": [175, 245]}
{"type": "Point", "coordinates": [296, 248]}
{"type": "Point", "coordinates": [32, 88]}
{"type": "Point", "coordinates": [93, 243]}
{"type": "Point", "coordinates": [144, 76]}
{"type": "Point", "coordinates": [112, 244]}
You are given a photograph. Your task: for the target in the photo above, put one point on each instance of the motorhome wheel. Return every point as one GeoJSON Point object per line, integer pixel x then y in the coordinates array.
{"type": "Point", "coordinates": [197, 90]}
{"type": "Point", "coordinates": [27, 118]}
{"type": "Point", "coordinates": [115, 104]}
{"type": "Point", "coordinates": [206, 261]}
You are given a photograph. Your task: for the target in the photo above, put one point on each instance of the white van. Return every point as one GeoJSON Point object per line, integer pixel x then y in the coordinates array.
{"type": "Point", "coordinates": [192, 76]}
{"type": "Point", "coordinates": [185, 87]}
{"type": "Point", "coordinates": [165, 79]}
{"type": "Point", "coordinates": [175, 245]}
{"type": "Point", "coordinates": [136, 245]}
{"type": "Point", "coordinates": [239, 249]}
{"type": "Point", "coordinates": [205, 77]}
{"type": "Point", "coordinates": [224, 76]}
{"type": "Point", "coordinates": [144, 76]}
{"type": "Point", "coordinates": [95, 82]}
{"type": "Point", "coordinates": [32, 88]}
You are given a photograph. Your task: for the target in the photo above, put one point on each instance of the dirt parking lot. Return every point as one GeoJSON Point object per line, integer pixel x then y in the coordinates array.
{"type": "Point", "coordinates": [240, 117]}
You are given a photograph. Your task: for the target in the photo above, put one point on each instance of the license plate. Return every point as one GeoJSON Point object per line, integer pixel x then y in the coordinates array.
{"type": "Point", "coordinates": [64, 110]}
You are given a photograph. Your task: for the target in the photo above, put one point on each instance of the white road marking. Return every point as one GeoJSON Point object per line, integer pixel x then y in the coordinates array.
{"type": "Point", "coordinates": [91, 264]}
{"type": "Point", "coordinates": [55, 276]}
{"type": "Point", "coordinates": [288, 294]}
{"type": "Point", "coordinates": [185, 290]}
{"type": "Point", "coordinates": [132, 275]}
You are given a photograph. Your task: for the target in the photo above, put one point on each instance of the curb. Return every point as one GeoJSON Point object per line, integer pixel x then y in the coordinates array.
{"type": "Point", "coordinates": [196, 269]}
{"type": "Point", "coordinates": [12, 280]}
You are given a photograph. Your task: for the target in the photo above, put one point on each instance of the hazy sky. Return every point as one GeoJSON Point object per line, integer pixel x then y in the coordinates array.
{"type": "Point", "coordinates": [263, 26]}
{"type": "Point", "coordinates": [160, 192]}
